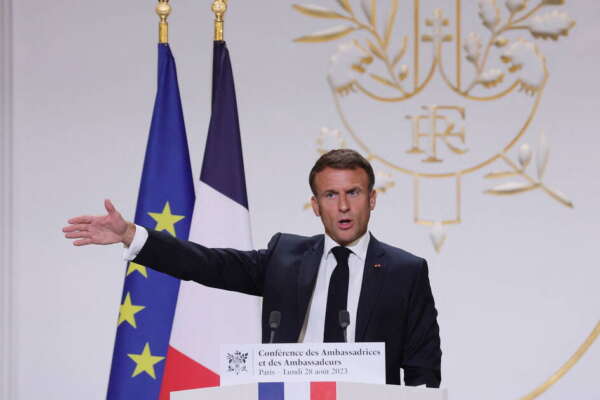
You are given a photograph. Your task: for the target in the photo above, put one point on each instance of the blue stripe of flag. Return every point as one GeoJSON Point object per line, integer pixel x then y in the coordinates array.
{"type": "Point", "coordinates": [270, 391]}
{"type": "Point", "coordinates": [223, 165]}
{"type": "Point", "coordinates": [166, 177]}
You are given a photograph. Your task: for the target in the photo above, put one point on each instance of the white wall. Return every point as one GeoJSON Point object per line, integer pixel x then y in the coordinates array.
{"type": "Point", "coordinates": [516, 283]}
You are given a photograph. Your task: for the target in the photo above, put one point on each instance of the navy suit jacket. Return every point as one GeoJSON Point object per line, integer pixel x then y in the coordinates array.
{"type": "Point", "coordinates": [395, 306]}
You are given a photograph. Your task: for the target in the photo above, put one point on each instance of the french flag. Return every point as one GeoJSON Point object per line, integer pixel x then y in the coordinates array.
{"type": "Point", "coordinates": [207, 317]}
{"type": "Point", "coordinates": [297, 391]}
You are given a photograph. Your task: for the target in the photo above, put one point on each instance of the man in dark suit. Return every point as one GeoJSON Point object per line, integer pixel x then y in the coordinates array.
{"type": "Point", "coordinates": [309, 280]}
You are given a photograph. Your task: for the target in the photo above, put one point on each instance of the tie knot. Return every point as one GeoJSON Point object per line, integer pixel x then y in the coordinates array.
{"type": "Point", "coordinates": [341, 254]}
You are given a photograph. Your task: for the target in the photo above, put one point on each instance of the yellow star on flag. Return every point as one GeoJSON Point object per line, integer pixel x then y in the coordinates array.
{"type": "Point", "coordinates": [144, 362]}
{"type": "Point", "coordinates": [132, 267]}
{"type": "Point", "coordinates": [165, 221]}
{"type": "Point", "coordinates": [127, 311]}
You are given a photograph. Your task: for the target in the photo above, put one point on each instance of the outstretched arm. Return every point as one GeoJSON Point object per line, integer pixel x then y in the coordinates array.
{"type": "Point", "coordinates": [104, 229]}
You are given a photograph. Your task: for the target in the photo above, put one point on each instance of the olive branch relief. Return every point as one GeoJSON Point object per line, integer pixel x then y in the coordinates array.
{"type": "Point", "coordinates": [519, 169]}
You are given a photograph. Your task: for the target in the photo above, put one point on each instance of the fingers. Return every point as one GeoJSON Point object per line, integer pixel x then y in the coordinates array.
{"type": "Point", "coordinates": [110, 208]}
{"type": "Point", "coordinates": [75, 227]}
{"type": "Point", "coordinates": [83, 237]}
{"type": "Point", "coordinates": [78, 235]}
{"type": "Point", "coordinates": [83, 219]}
{"type": "Point", "coordinates": [82, 242]}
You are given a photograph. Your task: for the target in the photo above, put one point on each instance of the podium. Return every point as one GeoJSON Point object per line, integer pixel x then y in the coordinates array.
{"type": "Point", "coordinates": [306, 371]}
{"type": "Point", "coordinates": [302, 391]}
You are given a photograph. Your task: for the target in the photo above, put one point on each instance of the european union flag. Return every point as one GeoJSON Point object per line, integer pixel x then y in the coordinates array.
{"type": "Point", "coordinates": [165, 202]}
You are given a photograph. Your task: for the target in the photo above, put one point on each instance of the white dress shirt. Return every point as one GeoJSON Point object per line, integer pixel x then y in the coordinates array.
{"type": "Point", "coordinates": [139, 240]}
{"type": "Point", "coordinates": [313, 329]}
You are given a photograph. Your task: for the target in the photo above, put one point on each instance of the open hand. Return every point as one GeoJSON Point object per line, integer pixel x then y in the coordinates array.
{"type": "Point", "coordinates": [105, 229]}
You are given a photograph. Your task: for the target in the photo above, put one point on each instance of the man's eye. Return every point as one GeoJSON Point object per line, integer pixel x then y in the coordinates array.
{"type": "Point", "coordinates": [354, 192]}
{"type": "Point", "coordinates": [329, 195]}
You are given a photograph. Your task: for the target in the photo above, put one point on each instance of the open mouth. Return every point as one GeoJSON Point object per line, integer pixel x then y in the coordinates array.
{"type": "Point", "coordinates": [345, 223]}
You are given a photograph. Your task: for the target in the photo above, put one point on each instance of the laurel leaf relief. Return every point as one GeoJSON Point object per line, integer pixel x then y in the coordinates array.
{"type": "Point", "coordinates": [473, 47]}
{"type": "Point", "coordinates": [375, 51]}
{"type": "Point", "coordinates": [401, 52]}
{"type": "Point", "coordinates": [489, 13]}
{"type": "Point", "coordinates": [389, 27]}
{"type": "Point", "coordinates": [542, 156]}
{"type": "Point", "coordinates": [515, 6]}
{"type": "Point", "coordinates": [524, 53]}
{"type": "Point", "coordinates": [551, 25]}
{"type": "Point", "coordinates": [500, 174]}
{"type": "Point", "coordinates": [369, 8]}
{"type": "Point", "coordinates": [383, 80]}
{"type": "Point", "coordinates": [329, 34]}
{"type": "Point", "coordinates": [317, 11]}
{"type": "Point", "coordinates": [403, 74]}
{"type": "Point", "coordinates": [511, 188]}
{"type": "Point", "coordinates": [329, 139]}
{"type": "Point", "coordinates": [561, 197]}
{"type": "Point", "coordinates": [347, 66]}
{"type": "Point", "coordinates": [500, 42]}
{"type": "Point", "coordinates": [345, 4]}
{"type": "Point", "coordinates": [553, 2]}
{"type": "Point", "coordinates": [383, 181]}
{"type": "Point", "coordinates": [524, 155]}
{"type": "Point", "coordinates": [491, 78]}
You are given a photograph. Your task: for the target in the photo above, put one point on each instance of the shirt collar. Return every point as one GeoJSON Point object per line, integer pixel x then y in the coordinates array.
{"type": "Point", "coordinates": [358, 247]}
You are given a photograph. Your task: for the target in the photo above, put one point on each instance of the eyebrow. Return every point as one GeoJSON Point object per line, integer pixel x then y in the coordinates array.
{"type": "Point", "coordinates": [333, 191]}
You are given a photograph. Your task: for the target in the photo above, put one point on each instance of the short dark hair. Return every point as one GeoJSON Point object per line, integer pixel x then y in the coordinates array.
{"type": "Point", "coordinates": [341, 159]}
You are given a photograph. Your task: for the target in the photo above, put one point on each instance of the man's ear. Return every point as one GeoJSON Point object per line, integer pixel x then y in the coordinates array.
{"type": "Point", "coordinates": [315, 206]}
{"type": "Point", "coordinates": [373, 199]}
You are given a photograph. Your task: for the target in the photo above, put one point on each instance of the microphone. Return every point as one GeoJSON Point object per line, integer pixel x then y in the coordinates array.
{"type": "Point", "coordinates": [344, 319]}
{"type": "Point", "coordinates": [274, 322]}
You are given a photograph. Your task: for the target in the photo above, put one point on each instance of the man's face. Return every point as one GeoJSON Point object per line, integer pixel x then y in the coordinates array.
{"type": "Point", "coordinates": [343, 202]}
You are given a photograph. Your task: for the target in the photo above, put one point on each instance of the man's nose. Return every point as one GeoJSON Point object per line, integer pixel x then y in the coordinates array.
{"type": "Point", "coordinates": [343, 204]}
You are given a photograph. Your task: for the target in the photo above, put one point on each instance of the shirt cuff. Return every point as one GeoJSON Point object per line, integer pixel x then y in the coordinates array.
{"type": "Point", "coordinates": [139, 240]}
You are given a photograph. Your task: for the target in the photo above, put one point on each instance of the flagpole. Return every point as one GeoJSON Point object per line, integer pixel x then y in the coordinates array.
{"type": "Point", "coordinates": [163, 9]}
{"type": "Point", "coordinates": [219, 7]}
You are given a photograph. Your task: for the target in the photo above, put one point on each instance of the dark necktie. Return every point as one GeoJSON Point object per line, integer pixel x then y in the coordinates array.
{"type": "Point", "coordinates": [337, 297]}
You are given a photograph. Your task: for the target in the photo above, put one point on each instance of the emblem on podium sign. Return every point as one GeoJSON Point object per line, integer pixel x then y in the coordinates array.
{"type": "Point", "coordinates": [438, 91]}
{"type": "Point", "coordinates": [236, 362]}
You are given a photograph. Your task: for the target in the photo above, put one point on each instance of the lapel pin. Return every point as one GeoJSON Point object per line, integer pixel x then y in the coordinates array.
{"type": "Point", "coordinates": [376, 265]}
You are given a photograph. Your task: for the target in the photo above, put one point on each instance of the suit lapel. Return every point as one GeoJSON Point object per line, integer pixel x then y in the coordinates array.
{"type": "Point", "coordinates": [309, 266]}
{"type": "Point", "coordinates": [371, 286]}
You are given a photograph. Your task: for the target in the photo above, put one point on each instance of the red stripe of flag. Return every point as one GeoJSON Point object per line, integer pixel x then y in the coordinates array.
{"type": "Point", "coordinates": [181, 372]}
{"type": "Point", "coordinates": [322, 391]}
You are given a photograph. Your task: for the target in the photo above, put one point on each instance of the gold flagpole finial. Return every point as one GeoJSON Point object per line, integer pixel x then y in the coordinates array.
{"type": "Point", "coordinates": [219, 7]}
{"type": "Point", "coordinates": [163, 9]}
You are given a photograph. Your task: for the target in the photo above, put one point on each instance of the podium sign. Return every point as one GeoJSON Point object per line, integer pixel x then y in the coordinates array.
{"type": "Point", "coordinates": [302, 362]}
